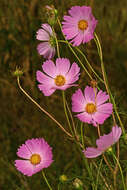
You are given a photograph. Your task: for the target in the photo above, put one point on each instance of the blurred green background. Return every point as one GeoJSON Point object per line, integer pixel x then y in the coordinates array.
{"type": "Point", "coordinates": [20, 119]}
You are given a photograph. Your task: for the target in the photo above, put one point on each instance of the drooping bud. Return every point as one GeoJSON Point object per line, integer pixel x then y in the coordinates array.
{"type": "Point", "coordinates": [52, 14]}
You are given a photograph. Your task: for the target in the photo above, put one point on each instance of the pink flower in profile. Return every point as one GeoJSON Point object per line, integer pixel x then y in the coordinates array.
{"type": "Point", "coordinates": [60, 76]}
{"type": "Point", "coordinates": [103, 143]}
{"type": "Point", "coordinates": [47, 46]}
{"type": "Point", "coordinates": [91, 105]}
{"type": "Point", "coordinates": [37, 154]}
{"type": "Point", "coordinates": [79, 26]}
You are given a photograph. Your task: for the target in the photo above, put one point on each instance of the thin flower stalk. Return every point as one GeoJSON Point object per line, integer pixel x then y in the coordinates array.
{"type": "Point", "coordinates": [82, 135]}
{"type": "Point", "coordinates": [74, 51]}
{"type": "Point", "coordinates": [43, 110]}
{"type": "Point", "coordinates": [65, 111]}
{"type": "Point", "coordinates": [57, 45]}
{"type": "Point", "coordinates": [124, 186]}
{"type": "Point", "coordinates": [98, 173]}
{"type": "Point", "coordinates": [106, 82]}
{"type": "Point", "coordinates": [63, 94]}
{"type": "Point", "coordinates": [44, 176]}
{"type": "Point", "coordinates": [104, 180]}
{"type": "Point", "coordinates": [89, 64]}
{"type": "Point", "coordinates": [73, 124]}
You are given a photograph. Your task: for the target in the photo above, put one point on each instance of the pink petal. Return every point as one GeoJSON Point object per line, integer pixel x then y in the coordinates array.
{"type": "Point", "coordinates": [25, 167]}
{"type": "Point", "coordinates": [116, 133]}
{"type": "Point", "coordinates": [105, 108]}
{"type": "Point", "coordinates": [92, 152]}
{"type": "Point", "coordinates": [24, 152]}
{"type": "Point", "coordinates": [101, 97]}
{"type": "Point", "coordinates": [64, 87]}
{"type": "Point", "coordinates": [73, 74]}
{"type": "Point", "coordinates": [44, 164]}
{"type": "Point", "coordinates": [43, 47]}
{"type": "Point", "coordinates": [100, 117]}
{"type": "Point", "coordinates": [49, 68]}
{"type": "Point", "coordinates": [87, 37]}
{"type": "Point", "coordinates": [50, 53]}
{"type": "Point", "coordinates": [89, 94]}
{"type": "Point", "coordinates": [47, 91]}
{"type": "Point", "coordinates": [104, 142]}
{"type": "Point", "coordinates": [44, 79]}
{"type": "Point", "coordinates": [78, 101]}
{"type": "Point", "coordinates": [42, 35]}
{"type": "Point", "coordinates": [85, 117]}
{"type": "Point", "coordinates": [70, 32]}
{"type": "Point", "coordinates": [62, 66]}
{"type": "Point", "coordinates": [77, 40]}
{"type": "Point", "coordinates": [47, 28]}
{"type": "Point", "coordinates": [75, 11]}
{"type": "Point", "coordinates": [86, 12]}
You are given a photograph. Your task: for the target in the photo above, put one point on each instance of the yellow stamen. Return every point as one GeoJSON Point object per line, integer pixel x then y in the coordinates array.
{"type": "Point", "coordinates": [90, 108]}
{"type": "Point", "coordinates": [82, 24]}
{"type": "Point", "coordinates": [60, 80]}
{"type": "Point", "coordinates": [35, 159]}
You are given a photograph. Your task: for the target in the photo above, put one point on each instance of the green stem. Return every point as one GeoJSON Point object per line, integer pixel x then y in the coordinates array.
{"type": "Point", "coordinates": [120, 170]}
{"type": "Point", "coordinates": [73, 51]}
{"type": "Point", "coordinates": [65, 110]}
{"type": "Point", "coordinates": [82, 135]}
{"type": "Point", "coordinates": [46, 180]}
{"type": "Point", "coordinates": [57, 45]}
{"type": "Point", "coordinates": [69, 45]}
{"type": "Point", "coordinates": [73, 124]}
{"type": "Point", "coordinates": [86, 165]}
{"type": "Point", "coordinates": [88, 63]}
{"type": "Point", "coordinates": [96, 39]}
{"type": "Point", "coordinates": [43, 110]}
{"type": "Point", "coordinates": [98, 173]}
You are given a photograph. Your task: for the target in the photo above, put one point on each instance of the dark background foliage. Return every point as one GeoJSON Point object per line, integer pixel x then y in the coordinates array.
{"type": "Point", "coordinates": [20, 119]}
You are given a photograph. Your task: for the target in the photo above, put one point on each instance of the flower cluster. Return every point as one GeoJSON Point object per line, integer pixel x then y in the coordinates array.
{"type": "Point", "coordinates": [90, 106]}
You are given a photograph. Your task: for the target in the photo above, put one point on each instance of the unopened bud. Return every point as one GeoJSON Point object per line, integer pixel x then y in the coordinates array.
{"type": "Point", "coordinates": [63, 178]}
{"type": "Point", "coordinates": [18, 72]}
{"type": "Point", "coordinates": [52, 14]}
{"type": "Point", "coordinates": [93, 83]}
{"type": "Point", "coordinates": [109, 150]}
{"type": "Point", "coordinates": [78, 184]}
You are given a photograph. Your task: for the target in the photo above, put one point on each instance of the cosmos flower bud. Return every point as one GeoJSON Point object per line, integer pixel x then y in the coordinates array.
{"type": "Point", "coordinates": [78, 184]}
{"type": "Point", "coordinates": [18, 72]}
{"type": "Point", "coordinates": [63, 178]}
{"type": "Point", "coordinates": [52, 14]}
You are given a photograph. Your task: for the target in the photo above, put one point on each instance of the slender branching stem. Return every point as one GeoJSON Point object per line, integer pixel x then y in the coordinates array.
{"type": "Point", "coordinates": [42, 109]}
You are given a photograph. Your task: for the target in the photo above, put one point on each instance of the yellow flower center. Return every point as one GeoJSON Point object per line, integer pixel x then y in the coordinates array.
{"type": "Point", "coordinates": [82, 24]}
{"type": "Point", "coordinates": [90, 108]}
{"type": "Point", "coordinates": [60, 80]}
{"type": "Point", "coordinates": [35, 159]}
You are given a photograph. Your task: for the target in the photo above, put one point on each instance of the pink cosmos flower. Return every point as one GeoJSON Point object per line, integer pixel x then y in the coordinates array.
{"type": "Point", "coordinates": [103, 143]}
{"type": "Point", "coordinates": [37, 154]}
{"type": "Point", "coordinates": [91, 105]}
{"type": "Point", "coordinates": [60, 76]}
{"type": "Point", "coordinates": [47, 47]}
{"type": "Point", "coordinates": [79, 26]}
